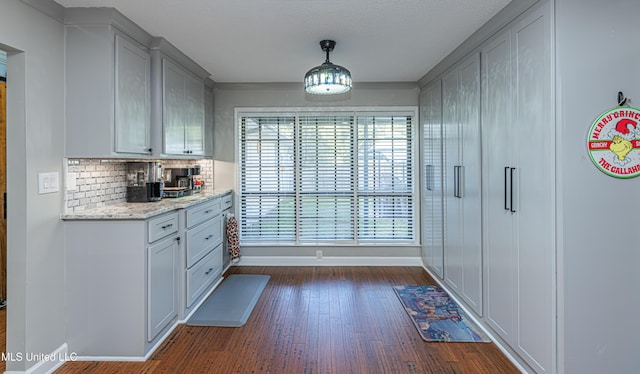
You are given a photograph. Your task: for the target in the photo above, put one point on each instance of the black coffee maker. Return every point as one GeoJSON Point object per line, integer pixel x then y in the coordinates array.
{"type": "Point", "coordinates": [143, 182]}
{"type": "Point", "coordinates": [182, 178]}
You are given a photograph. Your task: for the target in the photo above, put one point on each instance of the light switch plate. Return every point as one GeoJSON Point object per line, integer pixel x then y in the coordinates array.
{"type": "Point", "coordinates": [48, 182]}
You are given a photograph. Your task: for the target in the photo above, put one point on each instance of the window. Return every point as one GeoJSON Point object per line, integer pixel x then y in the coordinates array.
{"type": "Point", "coordinates": [332, 177]}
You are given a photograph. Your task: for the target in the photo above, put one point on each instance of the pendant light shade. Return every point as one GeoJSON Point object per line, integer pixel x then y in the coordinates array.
{"type": "Point", "coordinates": [327, 79]}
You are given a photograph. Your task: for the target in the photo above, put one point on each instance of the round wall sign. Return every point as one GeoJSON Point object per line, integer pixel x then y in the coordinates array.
{"type": "Point", "coordinates": [614, 142]}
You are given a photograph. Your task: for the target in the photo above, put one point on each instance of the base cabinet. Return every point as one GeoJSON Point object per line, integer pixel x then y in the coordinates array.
{"type": "Point", "coordinates": [122, 288]}
{"type": "Point", "coordinates": [203, 252]}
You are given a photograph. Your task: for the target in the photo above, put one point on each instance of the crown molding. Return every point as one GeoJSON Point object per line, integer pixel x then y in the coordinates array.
{"type": "Point", "coordinates": [47, 7]}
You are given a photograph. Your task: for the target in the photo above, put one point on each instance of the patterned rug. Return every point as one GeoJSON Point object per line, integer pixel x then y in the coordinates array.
{"type": "Point", "coordinates": [437, 317]}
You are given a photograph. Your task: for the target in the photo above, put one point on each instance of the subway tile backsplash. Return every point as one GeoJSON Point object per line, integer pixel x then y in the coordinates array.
{"type": "Point", "coordinates": [92, 183]}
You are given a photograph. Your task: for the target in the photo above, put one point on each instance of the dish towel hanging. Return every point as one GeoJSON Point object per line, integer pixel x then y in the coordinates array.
{"type": "Point", "coordinates": [232, 238]}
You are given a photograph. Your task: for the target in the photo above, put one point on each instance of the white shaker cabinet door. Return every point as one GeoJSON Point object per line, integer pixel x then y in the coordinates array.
{"type": "Point", "coordinates": [174, 90]}
{"type": "Point", "coordinates": [432, 178]}
{"type": "Point", "coordinates": [469, 181]}
{"type": "Point", "coordinates": [451, 163]}
{"type": "Point", "coordinates": [132, 97]}
{"type": "Point", "coordinates": [194, 116]}
{"type": "Point", "coordinates": [534, 186]}
{"type": "Point", "coordinates": [497, 163]}
{"type": "Point", "coordinates": [162, 293]}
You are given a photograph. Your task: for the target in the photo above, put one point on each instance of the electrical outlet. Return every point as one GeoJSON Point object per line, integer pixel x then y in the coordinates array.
{"type": "Point", "coordinates": [48, 182]}
{"type": "Point", "coordinates": [319, 254]}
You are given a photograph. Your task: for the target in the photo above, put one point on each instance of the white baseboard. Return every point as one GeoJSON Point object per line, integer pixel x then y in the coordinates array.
{"type": "Point", "coordinates": [47, 363]}
{"type": "Point", "coordinates": [327, 261]}
{"type": "Point", "coordinates": [478, 322]}
{"type": "Point", "coordinates": [131, 358]}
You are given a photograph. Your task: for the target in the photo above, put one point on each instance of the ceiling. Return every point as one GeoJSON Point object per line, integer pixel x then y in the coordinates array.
{"type": "Point", "coordinates": [253, 41]}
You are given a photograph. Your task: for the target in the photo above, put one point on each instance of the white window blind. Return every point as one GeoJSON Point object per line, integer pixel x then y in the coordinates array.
{"type": "Point", "coordinates": [267, 204]}
{"type": "Point", "coordinates": [326, 178]}
{"type": "Point", "coordinates": [317, 178]}
{"type": "Point", "coordinates": [385, 178]}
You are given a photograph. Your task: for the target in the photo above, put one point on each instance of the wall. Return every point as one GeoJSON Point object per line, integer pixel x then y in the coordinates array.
{"type": "Point", "coordinates": [597, 56]}
{"type": "Point", "coordinates": [229, 96]}
{"type": "Point", "coordinates": [35, 143]}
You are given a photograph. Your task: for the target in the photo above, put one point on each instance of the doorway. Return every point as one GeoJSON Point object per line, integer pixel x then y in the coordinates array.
{"type": "Point", "coordinates": [3, 202]}
{"type": "Point", "coordinates": [3, 179]}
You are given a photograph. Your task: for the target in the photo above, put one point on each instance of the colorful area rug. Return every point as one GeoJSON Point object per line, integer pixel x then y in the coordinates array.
{"type": "Point", "coordinates": [437, 316]}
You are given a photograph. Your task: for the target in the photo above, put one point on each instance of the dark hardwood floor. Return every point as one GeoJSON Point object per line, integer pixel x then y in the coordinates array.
{"type": "Point", "coordinates": [316, 320]}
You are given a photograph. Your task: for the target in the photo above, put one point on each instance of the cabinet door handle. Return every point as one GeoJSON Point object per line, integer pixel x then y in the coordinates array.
{"type": "Point", "coordinates": [429, 182]}
{"type": "Point", "coordinates": [506, 172]}
{"type": "Point", "coordinates": [208, 237]}
{"type": "Point", "coordinates": [460, 185]}
{"type": "Point", "coordinates": [455, 181]}
{"type": "Point", "coordinates": [166, 226]}
{"type": "Point", "coordinates": [511, 190]}
{"type": "Point", "coordinates": [208, 271]}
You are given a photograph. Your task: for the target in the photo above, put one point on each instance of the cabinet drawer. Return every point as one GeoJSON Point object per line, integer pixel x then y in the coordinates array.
{"type": "Point", "coordinates": [202, 238]}
{"type": "Point", "coordinates": [162, 226]}
{"type": "Point", "coordinates": [203, 212]}
{"type": "Point", "coordinates": [202, 274]}
{"type": "Point", "coordinates": [227, 201]}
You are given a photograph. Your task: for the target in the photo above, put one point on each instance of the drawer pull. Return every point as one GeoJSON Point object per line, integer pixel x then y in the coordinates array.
{"type": "Point", "coordinates": [166, 226]}
{"type": "Point", "coordinates": [208, 271]}
{"type": "Point", "coordinates": [207, 211]}
{"type": "Point", "coordinates": [208, 237]}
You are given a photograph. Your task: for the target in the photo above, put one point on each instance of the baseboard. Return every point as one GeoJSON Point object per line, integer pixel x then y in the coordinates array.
{"type": "Point", "coordinates": [131, 358]}
{"type": "Point", "coordinates": [47, 363]}
{"type": "Point", "coordinates": [478, 322]}
{"type": "Point", "coordinates": [327, 261]}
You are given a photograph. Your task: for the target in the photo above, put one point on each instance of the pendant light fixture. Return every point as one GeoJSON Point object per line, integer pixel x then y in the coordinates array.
{"type": "Point", "coordinates": [327, 79]}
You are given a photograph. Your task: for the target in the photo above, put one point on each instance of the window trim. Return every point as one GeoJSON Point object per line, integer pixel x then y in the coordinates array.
{"type": "Point", "coordinates": [412, 111]}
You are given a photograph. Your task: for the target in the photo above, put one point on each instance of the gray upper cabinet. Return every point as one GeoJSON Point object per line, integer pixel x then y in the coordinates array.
{"type": "Point", "coordinates": [178, 101]}
{"type": "Point", "coordinates": [132, 98]}
{"type": "Point", "coordinates": [208, 118]}
{"type": "Point", "coordinates": [108, 85]}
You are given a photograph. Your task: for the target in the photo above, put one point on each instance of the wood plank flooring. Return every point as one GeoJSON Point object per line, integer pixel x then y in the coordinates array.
{"type": "Point", "coordinates": [316, 320]}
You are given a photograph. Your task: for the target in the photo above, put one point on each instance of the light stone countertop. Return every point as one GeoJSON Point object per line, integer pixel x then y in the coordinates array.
{"type": "Point", "coordinates": [141, 211]}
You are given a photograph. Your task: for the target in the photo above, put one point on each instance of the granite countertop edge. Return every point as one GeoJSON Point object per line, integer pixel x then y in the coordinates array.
{"type": "Point", "coordinates": [141, 211]}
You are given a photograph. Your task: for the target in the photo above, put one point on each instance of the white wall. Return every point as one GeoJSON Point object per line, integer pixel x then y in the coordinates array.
{"type": "Point", "coordinates": [597, 56]}
{"type": "Point", "coordinates": [35, 143]}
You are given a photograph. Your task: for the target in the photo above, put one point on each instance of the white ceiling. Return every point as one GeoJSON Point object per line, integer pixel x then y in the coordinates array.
{"type": "Point", "coordinates": [278, 40]}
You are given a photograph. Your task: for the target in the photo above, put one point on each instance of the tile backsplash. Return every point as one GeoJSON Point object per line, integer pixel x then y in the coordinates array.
{"type": "Point", "coordinates": [92, 183]}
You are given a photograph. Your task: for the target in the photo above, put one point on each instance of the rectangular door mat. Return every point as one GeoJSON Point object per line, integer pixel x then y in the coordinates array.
{"type": "Point", "coordinates": [437, 316]}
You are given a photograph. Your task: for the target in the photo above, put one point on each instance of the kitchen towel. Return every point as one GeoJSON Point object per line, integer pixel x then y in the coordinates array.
{"type": "Point", "coordinates": [232, 238]}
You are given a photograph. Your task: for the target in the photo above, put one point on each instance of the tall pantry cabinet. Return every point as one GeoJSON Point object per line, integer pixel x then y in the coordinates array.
{"type": "Point", "coordinates": [461, 178]}
{"type": "Point", "coordinates": [518, 188]}
{"type": "Point", "coordinates": [432, 230]}
{"type": "Point", "coordinates": [498, 175]}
